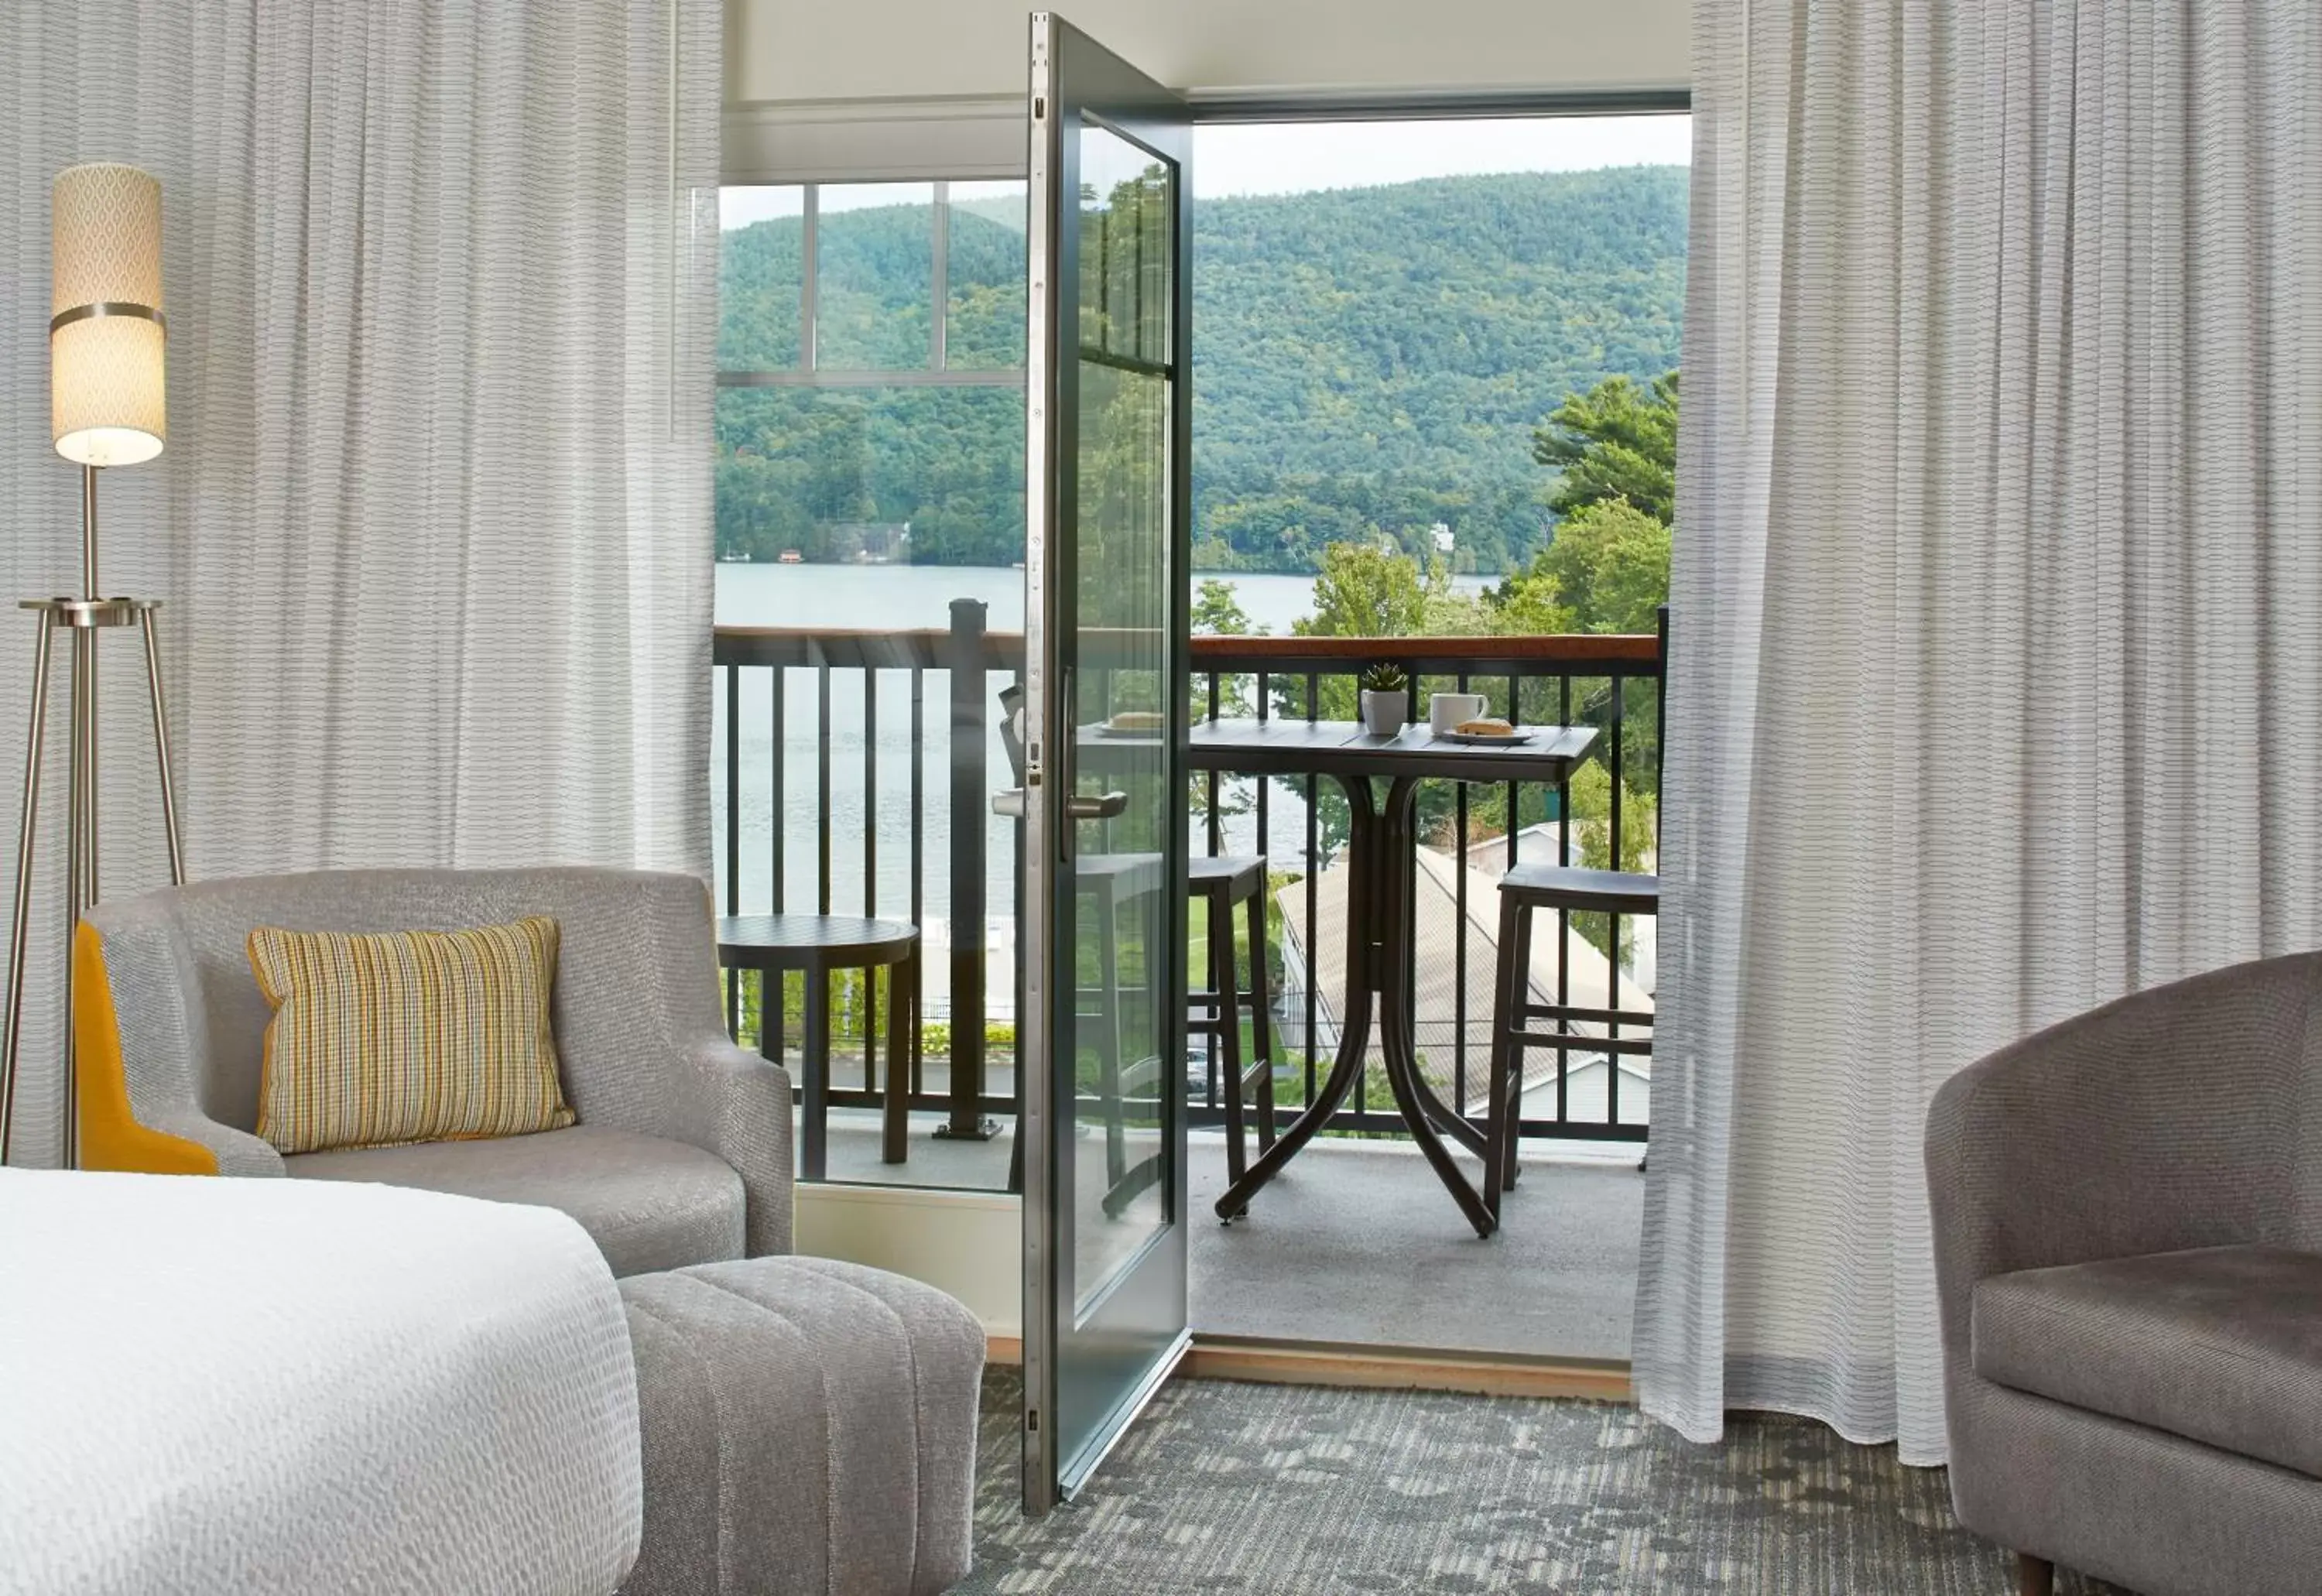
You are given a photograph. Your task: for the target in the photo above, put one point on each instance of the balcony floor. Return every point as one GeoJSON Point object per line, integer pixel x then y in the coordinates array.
{"type": "Point", "coordinates": [1357, 1243]}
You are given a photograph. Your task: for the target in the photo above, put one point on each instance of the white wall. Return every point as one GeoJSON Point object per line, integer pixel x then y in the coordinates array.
{"type": "Point", "coordinates": [919, 50]}
{"type": "Point", "coordinates": [970, 1244]}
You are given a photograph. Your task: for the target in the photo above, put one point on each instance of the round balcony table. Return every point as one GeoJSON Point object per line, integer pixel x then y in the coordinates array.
{"type": "Point", "coordinates": [818, 945]}
{"type": "Point", "coordinates": [1379, 947]}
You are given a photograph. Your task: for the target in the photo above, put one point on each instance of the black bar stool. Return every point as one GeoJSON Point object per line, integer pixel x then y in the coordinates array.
{"type": "Point", "coordinates": [819, 944]}
{"type": "Point", "coordinates": [1220, 884]}
{"type": "Point", "coordinates": [1523, 890]}
{"type": "Point", "coordinates": [1105, 883]}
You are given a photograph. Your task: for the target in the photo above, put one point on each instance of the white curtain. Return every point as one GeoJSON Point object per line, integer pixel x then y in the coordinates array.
{"type": "Point", "coordinates": [433, 526]}
{"type": "Point", "coordinates": [1997, 619]}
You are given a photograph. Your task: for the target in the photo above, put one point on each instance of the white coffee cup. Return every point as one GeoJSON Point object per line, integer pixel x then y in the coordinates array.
{"type": "Point", "coordinates": [1447, 710]}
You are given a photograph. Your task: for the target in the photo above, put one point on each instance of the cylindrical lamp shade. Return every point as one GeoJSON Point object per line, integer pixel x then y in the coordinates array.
{"type": "Point", "coordinates": [106, 403]}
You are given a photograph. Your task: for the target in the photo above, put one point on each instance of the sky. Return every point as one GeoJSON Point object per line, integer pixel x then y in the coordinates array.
{"type": "Point", "coordinates": [1296, 158]}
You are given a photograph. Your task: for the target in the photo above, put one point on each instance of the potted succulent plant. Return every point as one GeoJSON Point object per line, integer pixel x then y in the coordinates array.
{"type": "Point", "coordinates": [1386, 700]}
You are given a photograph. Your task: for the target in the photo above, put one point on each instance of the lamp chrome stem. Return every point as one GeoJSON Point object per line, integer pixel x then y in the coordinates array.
{"type": "Point", "coordinates": [89, 531]}
{"type": "Point", "coordinates": [34, 735]}
{"type": "Point", "coordinates": [75, 879]}
{"type": "Point", "coordinates": [89, 590]}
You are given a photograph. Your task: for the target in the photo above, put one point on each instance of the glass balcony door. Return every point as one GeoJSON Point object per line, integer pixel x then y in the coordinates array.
{"type": "Point", "coordinates": [1107, 657]}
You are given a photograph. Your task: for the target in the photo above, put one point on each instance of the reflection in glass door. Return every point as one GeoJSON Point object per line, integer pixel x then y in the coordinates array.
{"type": "Point", "coordinates": [1106, 714]}
{"type": "Point", "coordinates": [1121, 691]}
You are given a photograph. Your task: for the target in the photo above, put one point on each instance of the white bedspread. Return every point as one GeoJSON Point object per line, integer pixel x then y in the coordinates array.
{"type": "Point", "coordinates": [255, 1386]}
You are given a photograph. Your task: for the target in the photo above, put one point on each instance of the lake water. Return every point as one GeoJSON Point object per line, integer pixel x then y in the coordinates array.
{"type": "Point", "coordinates": [907, 596]}
{"type": "Point", "coordinates": [870, 867]}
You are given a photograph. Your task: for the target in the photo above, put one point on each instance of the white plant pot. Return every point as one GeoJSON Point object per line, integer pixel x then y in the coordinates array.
{"type": "Point", "coordinates": [1385, 714]}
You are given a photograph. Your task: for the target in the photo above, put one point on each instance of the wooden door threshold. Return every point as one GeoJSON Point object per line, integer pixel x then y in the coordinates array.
{"type": "Point", "coordinates": [1404, 1368]}
{"type": "Point", "coordinates": [1267, 1361]}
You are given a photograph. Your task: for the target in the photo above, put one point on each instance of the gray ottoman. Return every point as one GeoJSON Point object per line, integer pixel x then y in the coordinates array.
{"type": "Point", "coordinates": [810, 1428]}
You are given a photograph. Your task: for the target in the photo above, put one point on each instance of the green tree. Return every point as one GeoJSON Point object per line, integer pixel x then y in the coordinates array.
{"type": "Point", "coordinates": [1217, 613]}
{"type": "Point", "coordinates": [1607, 570]}
{"type": "Point", "coordinates": [1365, 591]}
{"type": "Point", "coordinates": [1616, 441]}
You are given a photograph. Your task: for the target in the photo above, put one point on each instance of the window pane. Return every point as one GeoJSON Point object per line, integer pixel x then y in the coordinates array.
{"type": "Point", "coordinates": [759, 275]}
{"type": "Point", "coordinates": [985, 324]}
{"type": "Point", "coordinates": [874, 284]}
{"type": "Point", "coordinates": [905, 476]}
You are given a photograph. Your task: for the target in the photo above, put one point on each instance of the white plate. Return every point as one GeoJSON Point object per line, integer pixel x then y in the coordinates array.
{"type": "Point", "coordinates": [1488, 739]}
{"type": "Point", "coordinates": [1105, 728]}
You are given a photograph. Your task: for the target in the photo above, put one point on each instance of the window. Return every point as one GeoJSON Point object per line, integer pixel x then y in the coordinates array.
{"type": "Point", "coordinates": [870, 351]}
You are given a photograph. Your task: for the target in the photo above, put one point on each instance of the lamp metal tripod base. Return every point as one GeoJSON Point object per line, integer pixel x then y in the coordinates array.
{"type": "Point", "coordinates": [82, 619]}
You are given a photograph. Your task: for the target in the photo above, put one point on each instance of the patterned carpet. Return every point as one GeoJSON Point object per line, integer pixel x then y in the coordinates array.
{"type": "Point", "coordinates": [1269, 1489]}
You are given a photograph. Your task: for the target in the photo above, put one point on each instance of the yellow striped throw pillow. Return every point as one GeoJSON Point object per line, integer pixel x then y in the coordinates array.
{"type": "Point", "coordinates": [407, 1036]}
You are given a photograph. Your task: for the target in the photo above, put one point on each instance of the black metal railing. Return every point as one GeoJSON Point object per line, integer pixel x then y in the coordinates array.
{"type": "Point", "coordinates": [826, 690]}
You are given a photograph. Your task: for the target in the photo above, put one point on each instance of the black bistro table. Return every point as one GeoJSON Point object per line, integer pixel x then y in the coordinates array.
{"type": "Point", "coordinates": [1378, 904]}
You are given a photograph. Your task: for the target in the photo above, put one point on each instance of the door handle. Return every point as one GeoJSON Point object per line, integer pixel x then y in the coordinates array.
{"type": "Point", "coordinates": [1080, 805]}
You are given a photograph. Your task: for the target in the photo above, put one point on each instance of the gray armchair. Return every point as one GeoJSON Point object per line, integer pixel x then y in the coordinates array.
{"type": "Point", "coordinates": [681, 1154]}
{"type": "Point", "coordinates": [2128, 1252]}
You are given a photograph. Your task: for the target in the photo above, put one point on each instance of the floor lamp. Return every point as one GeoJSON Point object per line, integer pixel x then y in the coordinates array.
{"type": "Point", "coordinates": [107, 408]}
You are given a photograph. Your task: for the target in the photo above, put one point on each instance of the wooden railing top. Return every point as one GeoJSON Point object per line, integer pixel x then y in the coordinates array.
{"type": "Point", "coordinates": [1432, 654]}
{"type": "Point", "coordinates": [930, 648]}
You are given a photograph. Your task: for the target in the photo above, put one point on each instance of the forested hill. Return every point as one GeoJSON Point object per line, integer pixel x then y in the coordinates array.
{"type": "Point", "coordinates": [1367, 360]}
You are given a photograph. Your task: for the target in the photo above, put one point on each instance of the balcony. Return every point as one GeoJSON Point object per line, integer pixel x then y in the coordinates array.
{"type": "Point", "coordinates": [854, 776]}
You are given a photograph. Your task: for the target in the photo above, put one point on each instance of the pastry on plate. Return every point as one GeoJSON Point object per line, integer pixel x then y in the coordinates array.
{"type": "Point", "coordinates": [1485, 727]}
{"type": "Point", "coordinates": [1136, 720]}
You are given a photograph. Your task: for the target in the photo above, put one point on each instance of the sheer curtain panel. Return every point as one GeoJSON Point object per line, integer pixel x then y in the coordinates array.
{"type": "Point", "coordinates": [1998, 610]}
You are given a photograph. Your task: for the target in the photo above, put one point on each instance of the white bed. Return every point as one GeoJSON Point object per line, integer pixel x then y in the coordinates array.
{"type": "Point", "coordinates": [257, 1386]}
